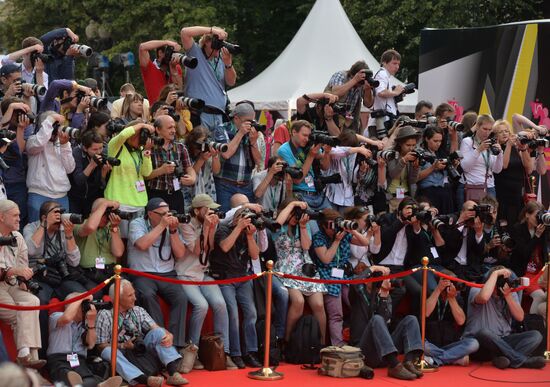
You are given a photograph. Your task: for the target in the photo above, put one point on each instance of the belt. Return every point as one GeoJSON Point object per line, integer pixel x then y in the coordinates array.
{"type": "Point", "coordinates": [233, 182]}
{"type": "Point", "coordinates": [213, 110]}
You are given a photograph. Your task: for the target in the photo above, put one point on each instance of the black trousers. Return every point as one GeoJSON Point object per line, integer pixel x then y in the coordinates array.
{"type": "Point", "coordinates": [59, 367]}
{"type": "Point", "coordinates": [174, 199]}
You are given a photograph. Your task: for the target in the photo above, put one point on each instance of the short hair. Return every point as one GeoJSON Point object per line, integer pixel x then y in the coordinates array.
{"type": "Point", "coordinates": [297, 125]}
{"type": "Point", "coordinates": [272, 160]}
{"type": "Point", "coordinates": [355, 212]}
{"type": "Point", "coordinates": [483, 119]}
{"type": "Point", "coordinates": [469, 120]}
{"type": "Point", "coordinates": [30, 41]}
{"type": "Point", "coordinates": [7, 205]}
{"type": "Point", "coordinates": [166, 89]}
{"type": "Point", "coordinates": [390, 55]}
{"type": "Point", "coordinates": [503, 123]}
{"type": "Point", "coordinates": [348, 137]}
{"type": "Point", "coordinates": [96, 120]}
{"type": "Point", "coordinates": [192, 139]}
{"type": "Point", "coordinates": [356, 67]}
{"type": "Point", "coordinates": [490, 200]}
{"type": "Point", "coordinates": [329, 214]}
{"type": "Point", "coordinates": [47, 206]}
{"type": "Point", "coordinates": [123, 283]}
{"type": "Point", "coordinates": [422, 104]}
{"type": "Point", "coordinates": [127, 87]}
{"type": "Point", "coordinates": [91, 137]}
{"type": "Point", "coordinates": [443, 108]}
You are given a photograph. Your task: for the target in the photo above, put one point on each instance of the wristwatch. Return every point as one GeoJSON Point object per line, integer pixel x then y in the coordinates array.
{"type": "Point", "coordinates": [228, 67]}
{"type": "Point", "coordinates": [114, 229]}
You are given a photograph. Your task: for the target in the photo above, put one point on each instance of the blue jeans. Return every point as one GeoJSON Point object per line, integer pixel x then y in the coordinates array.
{"type": "Point", "coordinates": [460, 195]}
{"type": "Point", "coordinates": [3, 351]}
{"type": "Point", "coordinates": [235, 295]}
{"type": "Point", "coordinates": [35, 201]}
{"type": "Point", "coordinates": [17, 192]}
{"type": "Point", "coordinates": [451, 352]}
{"type": "Point", "coordinates": [315, 202]}
{"type": "Point", "coordinates": [224, 191]}
{"type": "Point", "coordinates": [152, 339]}
{"type": "Point", "coordinates": [280, 299]}
{"type": "Point", "coordinates": [517, 347]}
{"type": "Point", "coordinates": [211, 121]}
{"type": "Point", "coordinates": [376, 341]}
{"type": "Point", "coordinates": [200, 298]}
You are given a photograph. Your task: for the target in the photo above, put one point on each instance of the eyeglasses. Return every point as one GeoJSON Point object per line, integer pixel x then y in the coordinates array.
{"type": "Point", "coordinates": [161, 213]}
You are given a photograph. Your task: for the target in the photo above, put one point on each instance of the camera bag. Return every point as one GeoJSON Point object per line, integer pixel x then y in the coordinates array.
{"type": "Point", "coordinates": [341, 362]}
{"type": "Point", "coordinates": [211, 353]}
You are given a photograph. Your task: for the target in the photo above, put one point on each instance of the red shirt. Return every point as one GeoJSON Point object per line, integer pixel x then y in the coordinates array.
{"type": "Point", "coordinates": [154, 80]}
{"type": "Point", "coordinates": [281, 134]}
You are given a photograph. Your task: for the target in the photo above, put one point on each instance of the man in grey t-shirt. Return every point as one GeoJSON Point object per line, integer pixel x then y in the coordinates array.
{"type": "Point", "coordinates": [490, 313]}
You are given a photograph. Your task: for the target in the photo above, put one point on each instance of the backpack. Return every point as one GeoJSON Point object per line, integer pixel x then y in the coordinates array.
{"type": "Point", "coordinates": [305, 342]}
{"type": "Point", "coordinates": [341, 362]}
{"type": "Point", "coordinates": [274, 353]}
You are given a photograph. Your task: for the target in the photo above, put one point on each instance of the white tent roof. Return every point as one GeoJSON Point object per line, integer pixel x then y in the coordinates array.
{"type": "Point", "coordinates": [325, 43]}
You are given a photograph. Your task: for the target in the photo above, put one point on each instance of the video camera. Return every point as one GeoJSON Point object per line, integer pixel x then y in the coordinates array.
{"type": "Point", "coordinates": [294, 172]}
{"type": "Point", "coordinates": [409, 88]}
{"type": "Point", "coordinates": [217, 44]}
{"type": "Point", "coordinates": [184, 60]}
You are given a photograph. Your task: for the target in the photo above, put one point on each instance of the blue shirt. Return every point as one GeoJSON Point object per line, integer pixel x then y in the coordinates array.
{"type": "Point", "coordinates": [285, 152]}
{"type": "Point", "coordinates": [340, 258]}
{"type": "Point", "coordinates": [239, 166]}
{"type": "Point", "coordinates": [207, 80]}
{"type": "Point", "coordinates": [434, 179]}
{"type": "Point", "coordinates": [66, 339]}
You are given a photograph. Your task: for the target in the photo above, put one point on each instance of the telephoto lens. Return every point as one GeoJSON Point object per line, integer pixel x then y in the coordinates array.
{"type": "Point", "coordinates": [73, 218]}
{"type": "Point", "coordinates": [346, 225]}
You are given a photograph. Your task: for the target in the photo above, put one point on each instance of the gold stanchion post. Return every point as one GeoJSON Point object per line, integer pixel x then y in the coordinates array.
{"type": "Point", "coordinates": [547, 274]}
{"type": "Point", "coordinates": [267, 373]}
{"type": "Point", "coordinates": [114, 340]}
{"type": "Point", "coordinates": [422, 364]}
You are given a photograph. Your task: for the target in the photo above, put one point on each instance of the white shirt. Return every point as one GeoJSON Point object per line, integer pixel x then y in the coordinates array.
{"type": "Point", "coordinates": [388, 104]}
{"type": "Point", "coordinates": [342, 163]}
{"type": "Point", "coordinates": [272, 195]}
{"type": "Point", "coordinates": [461, 257]}
{"type": "Point", "coordinates": [474, 164]}
{"type": "Point", "coordinates": [360, 253]}
{"type": "Point", "coordinates": [398, 251]}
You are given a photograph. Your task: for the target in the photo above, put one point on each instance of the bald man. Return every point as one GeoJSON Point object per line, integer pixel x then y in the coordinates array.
{"type": "Point", "coordinates": [172, 167]}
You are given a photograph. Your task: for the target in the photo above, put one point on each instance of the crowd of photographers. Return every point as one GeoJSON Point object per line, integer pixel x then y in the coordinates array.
{"type": "Point", "coordinates": [176, 185]}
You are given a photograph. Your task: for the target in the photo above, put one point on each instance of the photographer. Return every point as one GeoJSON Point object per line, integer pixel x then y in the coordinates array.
{"type": "Point", "coordinates": [72, 333]}
{"type": "Point", "coordinates": [89, 177]}
{"type": "Point", "coordinates": [370, 184]}
{"type": "Point", "coordinates": [423, 109]}
{"type": "Point", "coordinates": [272, 185]}
{"type": "Point", "coordinates": [172, 167]}
{"type": "Point", "coordinates": [402, 170]}
{"type": "Point", "coordinates": [352, 87]}
{"type": "Point", "coordinates": [298, 152]}
{"type": "Point", "coordinates": [369, 227]}
{"type": "Point", "coordinates": [133, 109]}
{"type": "Point", "coordinates": [234, 247]}
{"type": "Point", "coordinates": [292, 244]}
{"type": "Point", "coordinates": [451, 136]}
{"type": "Point", "coordinates": [61, 65]}
{"type": "Point", "coordinates": [213, 74]}
{"type": "Point", "coordinates": [172, 105]}
{"type": "Point", "coordinates": [198, 236]}
{"type": "Point", "coordinates": [32, 69]}
{"type": "Point", "coordinates": [241, 156]}
{"type": "Point", "coordinates": [14, 273]}
{"type": "Point", "coordinates": [127, 182]}
{"type": "Point", "coordinates": [144, 347]}
{"type": "Point", "coordinates": [98, 123]}
{"type": "Point", "coordinates": [322, 116]}
{"type": "Point", "coordinates": [491, 311]}
{"type": "Point", "coordinates": [384, 94]}
{"type": "Point", "coordinates": [99, 242]}
{"type": "Point", "coordinates": [154, 246]}
{"type": "Point", "coordinates": [433, 179]}
{"type": "Point", "coordinates": [159, 73]}
{"type": "Point", "coordinates": [10, 79]}
{"type": "Point", "coordinates": [332, 249]}
{"type": "Point", "coordinates": [50, 161]}
{"type": "Point", "coordinates": [482, 158]}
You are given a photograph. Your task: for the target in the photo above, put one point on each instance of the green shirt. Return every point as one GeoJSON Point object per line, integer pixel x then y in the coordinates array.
{"type": "Point", "coordinates": [97, 244]}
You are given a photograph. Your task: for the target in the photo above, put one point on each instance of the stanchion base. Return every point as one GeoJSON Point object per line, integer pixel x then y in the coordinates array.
{"type": "Point", "coordinates": [265, 374]}
{"type": "Point", "coordinates": [547, 356]}
{"type": "Point", "coordinates": [423, 366]}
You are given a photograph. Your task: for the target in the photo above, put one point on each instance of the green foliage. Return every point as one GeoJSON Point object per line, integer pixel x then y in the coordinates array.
{"type": "Point", "coordinates": [262, 27]}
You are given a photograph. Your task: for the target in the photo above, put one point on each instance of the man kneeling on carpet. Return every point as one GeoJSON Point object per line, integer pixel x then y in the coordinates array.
{"type": "Point", "coordinates": [490, 313]}
{"type": "Point", "coordinates": [144, 348]}
{"type": "Point", "coordinates": [72, 333]}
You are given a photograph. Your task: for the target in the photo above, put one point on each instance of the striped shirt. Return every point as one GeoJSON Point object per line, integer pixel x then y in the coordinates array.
{"type": "Point", "coordinates": [237, 168]}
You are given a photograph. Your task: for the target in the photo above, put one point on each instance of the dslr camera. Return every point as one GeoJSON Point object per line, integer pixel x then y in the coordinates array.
{"type": "Point", "coordinates": [409, 88]}
{"type": "Point", "coordinates": [369, 78]}
{"type": "Point", "coordinates": [73, 133]}
{"type": "Point", "coordinates": [260, 221]}
{"type": "Point", "coordinates": [341, 224]}
{"type": "Point", "coordinates": [36, 90]}
{"type": "Point", "coordinates": [494, 150]}
{"type": "Point", "coordinates": [321, 182]}
{"type": "Point", "coordinates": [10, 240]}
{"type": "Point", "coordinates": [99, 305]}
{"type": "Point", "coordinates": [112, 161]}
{"type": "Point", "coordinates": [484, 213]}
{"type": "Point", "coordinates": [183, 60]}
{"type": "Point", "coordinates": [294, 172]}
{"type": "Point", "coordinates": [115, 126]}
{"type": "Point", "coordinates": [217, 44]}
{"type": "Point", "coordinates": [182, 218]}
{"type": "Point", "coordinates": [313, 215]}
{"type": "Point", "coordinates": [217, 146]}
{"type": "Point", "coordinates": [543, 217]}
{"type": "Point", "coordinates": [259, 127]}
{"type": "Point", "coordinates": [71, 217]}
{"type": "Point", "coordinates": [512, 283]}
{"type": "Point", "coordinates": [95, 102]}
{"type": "Point", "coordinates": [32, 285]}
{"type": "Point", "coordinates": [322, 138]}
{"type": "Point", "coordinates": [188, 102]}
{"type": "Point", "coordinates": [125, 215]}
{"type": "Point", "coordinates": [337, 108]}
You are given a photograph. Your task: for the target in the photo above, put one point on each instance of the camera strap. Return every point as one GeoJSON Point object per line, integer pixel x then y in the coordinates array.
{"type": "Point", "coordinates": [137, 164]}
{"type": "Point", "coordinates": [162, 240]}
{"type": "Point", "coordinates": [203, 255]}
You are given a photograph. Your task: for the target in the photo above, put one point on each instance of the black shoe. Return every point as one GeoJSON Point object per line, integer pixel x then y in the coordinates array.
{"type": "Point", "coordinates": [251, 360]}
{"type": "Point", "coordinates": [535, 362]}
{"type": "Point", "coordinates": [238, 362]}
{"type": "Point", "coordinates": [409, 365]}
{"type": "Point", "coordinates": [501, 362]}
{"type": "Point", "coordinates": [400, 372]}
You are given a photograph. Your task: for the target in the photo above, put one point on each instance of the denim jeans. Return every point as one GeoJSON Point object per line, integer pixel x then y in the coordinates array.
{"type": "Point", "coordinates": [152, 339]}
{"type": "Point", "coordinates": [211, 121]}
{"type": "Point", "coordinates": [17, 192]}
{"type": "Point", "coordinates": [335, 314]}
{"type": "Point", "coordinates": [224, 191]}
{"type": "Point", "coordinates": [200, 297]}
{"type": "Point", "coordinates": [517, 347]}
{"type": "Point", "coordinates": [316, 202]}
{"type": "Point", "coordinates": [35, 201]}
{"type": "Point", "coordinates": [280, 299]}
{"type": "Point", "coordinates": [377, 342]}
{"type": "Point", "coordinates": [241, 295]}
{"type": "Point", "coordinates": [3, 351]}
{"type": "Point", "coordinates": [451, 352]}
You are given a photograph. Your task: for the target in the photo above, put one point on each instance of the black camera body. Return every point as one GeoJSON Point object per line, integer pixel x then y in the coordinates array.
{"type": "Point", "coordinates": [125, 215]}
{"type": "Point", "coordinates": [217, 44]}
{"type": "Point", "coordinates": [309, 269]}
{"type": "Point", "coordinates": [321, 182]}
{"type": "Point", "coordinates": [260, 221]}
{"type": "Point", "coordinates": [171, 111]}
{"type": "Point", "coordinates": [322, 138]}
{"type": "Point", "coordinates": [424, 157]}
{"type": "Point", "coordinates": [10, 240]}
{"type": "Point", "coordinates": [259, 127]}
{"type": "Point", "coordinates": [99, 305]}
{"type": "Point", "coordinates": [484, 213]}
{"type": "Point", "coordinates": [313, 215]}
{"type": "Point", "coordinates": [217, 146]}
{"type": "Point", "coordinates": [59, 263]}
{"type": "Point", "coordinates": [369, 78]}
{"type": "Point", "coordinates": [115, 126]}
{"type": "Point", "coordinates": [543, 217]}
{"type": "Point", "coordinates": [182, 218]}
{"type": "Point", "coordinates": [494, 150]}
{"type": "Point", "coordinates": [73, 133]}
{"type": "Point", "coordinates": [112, 161]}
{"type": "Point", "coordinates": [32, 285]}
{"type": "Point", "coordinates": [294, 172]}
{"type": "Point", "coordinates": [341, 224]}
{"type": "Point", "coordinates": [188, 102]}
{"type": "Point", "coordinates": [423, 216]}
{"type": "Point", "coordinates": [409, 88]}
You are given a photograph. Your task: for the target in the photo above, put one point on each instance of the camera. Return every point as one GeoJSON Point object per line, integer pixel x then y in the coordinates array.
{"type": "Point", "coordinates": [484, 212]}
{"type": "Point", "coordinates": [125, 215]}
{"type": "Point", "coordinates": [309, 269]}
{"type": "Point", "coordinates": [82, 49]}
{"type": "Point", "coordinates": [183, 60]}
{"type": "Point", "coordinates": [32, 285]}
{"type": "Point", "coordinates": [395, 283]}
{"type": "Point", "coordinates": [389, 154]}
{"type": "Point", "coordinates": [313, 215]}
{"type": "Point", "coordinates": [59, 263]}
{"type": "Point", "coordinates": [409, 88]}
{"type": "Point", "coordinates": [188, 102]}
{"type": "Point", "coordinates": [494, 150]}
{"type": "Point", "coordinates": [368, 77]}
{"type": "Point", "coordinates": [35, 55]}
{"type": "Point", "coordinates": [337, 108]}
{"type": "Point", "coordinates": [260, 221]}
{"type": "Point", "coordinates": [455, 125]}
{"type": "Point", "coordinates": [8, 134]}
{"type": "Point", "coordinates": [370, 220]}
{"type": "Point", "coordinates": [182, 218]}
{"type": "Point", "coordinates": [505, 238]}
{"type": "Point", "coordinates": [115, 126]}
{"type": "Point", "coordinates": [20, 113]}
{"type": "Point", "coordinates": [112, 161]}
{"type": "Point", "coordinates": [341, 224]}
{"type": "Point", "coordinates": [217, 146]}
{"type": "Point", "coordinates": [382, 125]}
{"type": "Point", "coordinates": [217, 44]}
{"type": "Point", "coordinates": [98, 103]}
{"type": "Point", "coordinates": [171, 111]}
{"type": "Point", "coordinates": [37, 90]}
{"type": "Point", "coordinates": [259, 127]}
{"type": "Point", "coordinates": [139, 346]}
{"type": "Point", "coordinates": [543, 217]}
{"type": "Point", "coordinates": [144, 135]}
{"type": "Point", "coordinates": [219, 213]}
{"type": "Point", "coordinates": [73, 133]}
{"type": "Point", "coordinates": [452, 172]}
{"type": "Point", "coordinates": [294, 172]}
{"type": "Point", "coordinates": [443, 220]}
{"type": "Point", "coordinates": [423, 157]}
{"type": "Point", "coordinates": [321, 182]}
{"type": "Point", "coordinates": [322, 138]}
{"type": "Point", "coordinates": [423, 216]}
{"type": "Point", "coordinates": [533, 143]}
{"type": "Point", "coordinates": [179, 171]}
{"type": "Point", "coordinates": [512, 283]}
{"type": "Point", "coordinates": [10, 240]}
{"type": "Point", "coordinates": [99, 305]}
{"type": "Point", "coordinates": [73, 218]}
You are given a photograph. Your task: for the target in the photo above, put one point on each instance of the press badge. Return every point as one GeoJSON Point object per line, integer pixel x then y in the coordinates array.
{"type": "Point", "coordinates": [337, 273]}
{"type": "Point", "coordinates": [400, 192]}
{"type": "Point", "coordinates": [140, 186]}
{"type": "Point", "coordinates": [177, 185]}
{"type": "Point", "coordinates": [309, 181]}
{"type": "Point", "coordinates": [434, 252]}
{"type": "Point", "coordinates": [100, 263]}
{"type": "Point", "coordinates": [73, 360]}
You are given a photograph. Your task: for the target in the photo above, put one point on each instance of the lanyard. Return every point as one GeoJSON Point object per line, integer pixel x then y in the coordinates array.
{"type": "Point", "coordinates": [214, 66]}
{"type": "Point", "coordinates": [76, 335]}
{"type": "Point", "coordinates": [122, 320]}
{"type": "Point", "coordinates": [441, 313]}
{"type": "Point", "coordinates": [102, 236]}
{"type": "Point", "coordinates": [137, 164]}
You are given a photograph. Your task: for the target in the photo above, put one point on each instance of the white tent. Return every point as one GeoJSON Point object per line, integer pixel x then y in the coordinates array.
{"type": "Point", "coordinates": [325, 43]}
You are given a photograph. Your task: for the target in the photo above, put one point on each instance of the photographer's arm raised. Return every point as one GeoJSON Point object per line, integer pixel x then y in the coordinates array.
{"type": "Point", "coordinates": [14, 56]}
{"type": "Point", "coordinates": [188, 33]}
{"type": "Point", "coordinates": [145, 58]}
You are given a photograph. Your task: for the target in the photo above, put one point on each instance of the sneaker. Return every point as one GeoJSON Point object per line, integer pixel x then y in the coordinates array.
{"type": "Point", "coordinates": [189, 353]}
{"type": "Point", "coordinates": [501, 362]}
{"type": "Point", "coordinates": [155, 381]}
{"type": "Point", "coordinates": [238, 361]}
{"type": "Point", "coordinates": [229, 364]}
{"type": "Point", "coordinates": [251, 360]}
{"type": "Point", "coordinates": [463, 361]}
{"type": "Point", "coordinates": [176, 380]}
{"type": "Point", "coordinates": [400, 372]}
{"type": "Point", "coordinates": [198, 365]}
{"type": "Point", "coordinates": [114, 381]}
{"type": "Point", "coordinates": [535, 362]}
{"type": "Point", "coordinates": [409, 365]}
{"type": "Point", "coordinates": [74, 379]}
{"type": "Point", "coordinates": [29, 362]}
{"type": "Point", "coordinates": [430, 361]}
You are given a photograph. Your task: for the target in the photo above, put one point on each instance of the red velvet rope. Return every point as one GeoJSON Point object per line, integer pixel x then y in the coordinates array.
{"type": "Point", "coordinates": [343, 282]}
{"type": "Point", "coordinates": [474, 285]}
{"type": "Point", "coordinates": [60, 303]}
{"type": "Point", "coordinates": [185, 282]}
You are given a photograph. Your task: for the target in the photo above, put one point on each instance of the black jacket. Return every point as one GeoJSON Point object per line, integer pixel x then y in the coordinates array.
{"type": "Point", "coordinates": [525, 246]}
{"type": "Point", "coordinates": [474, 253]}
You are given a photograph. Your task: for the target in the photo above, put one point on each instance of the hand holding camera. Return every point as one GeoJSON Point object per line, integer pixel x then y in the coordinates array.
{"type": "Point", "coordinates": [15, 89]}
{"type": "Point", "coordinates": [168, 168]}
{"type": "Point", "coordinates": [169, 221]}
{"type": "Point", "coordinates": [275, 169]}
{"type": "Point", "coordinates": [68, 227]}
{"type": "Point", "coordinates": [83, 104]}
{"type": "Point", "coordinates": [186, 180]}
{"type": "Point", "coordinates": [540, 230]}
{"type": "Point", "coordinates": [245, 127]}
{"type": "Point", "coordinates": [227, 58]}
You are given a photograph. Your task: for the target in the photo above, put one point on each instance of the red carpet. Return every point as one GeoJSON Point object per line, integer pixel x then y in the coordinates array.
{"type": "Point", "coordinates": [445, 377]}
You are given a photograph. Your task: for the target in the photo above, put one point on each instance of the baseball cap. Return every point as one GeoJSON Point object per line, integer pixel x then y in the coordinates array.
{"type": "Point", "coordinates": [243, 109]}
{"type": "Point", "coordinates": [155, 203]}
{"type": "Point", "coordinates": [204, 200]}
{"type": "Point", "coordinates": [8, 69]}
